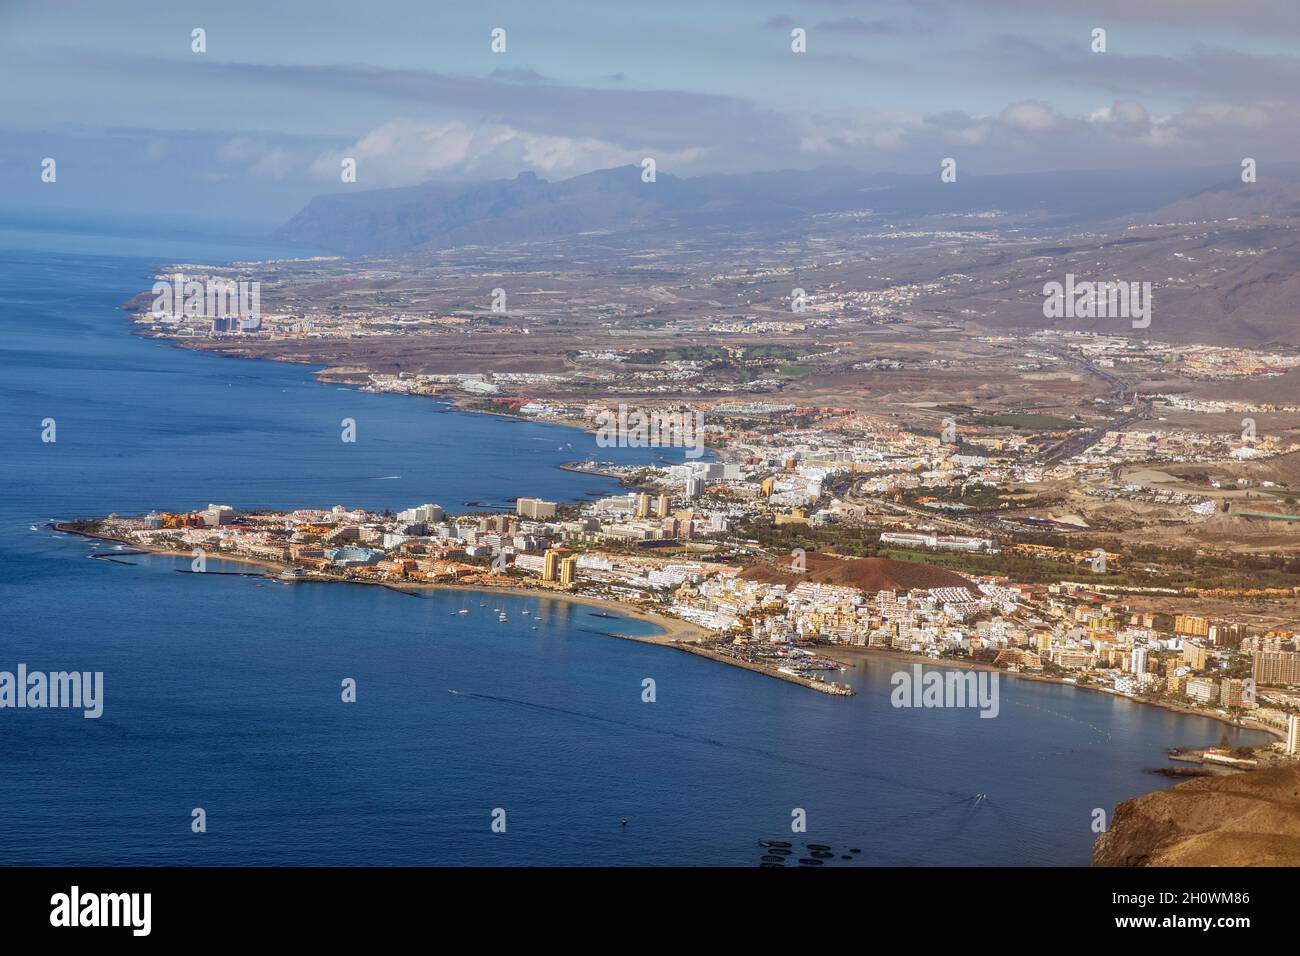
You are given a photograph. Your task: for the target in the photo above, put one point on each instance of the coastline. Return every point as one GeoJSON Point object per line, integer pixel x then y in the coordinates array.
{"type": "Point", "coordinates": [675, 633]}
{"type": "Point", "coordinates": [852, 654]}
{"type": "Point", "coordinates": [454, 402]}
{"type": "Point", "coordinates": [682, 635]}
{"type": "Point", "coordinates": [675, 630]}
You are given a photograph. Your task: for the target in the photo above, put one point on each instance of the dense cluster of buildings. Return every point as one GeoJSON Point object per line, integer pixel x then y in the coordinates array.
{"type": "Point", "coordinates": [1062, 630]}
{"type": "Point", "coordinates": [670, 543]}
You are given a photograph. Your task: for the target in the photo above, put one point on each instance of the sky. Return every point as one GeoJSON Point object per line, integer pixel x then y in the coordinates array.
{"type": "Point", "coordinates": [142, 126]}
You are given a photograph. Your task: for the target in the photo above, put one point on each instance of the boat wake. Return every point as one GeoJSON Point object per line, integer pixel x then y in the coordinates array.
{"type": "Point", "coordinates": [888, 780]}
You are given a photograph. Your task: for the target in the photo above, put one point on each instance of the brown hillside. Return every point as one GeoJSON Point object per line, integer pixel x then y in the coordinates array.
{"type": "Point", "coordinates": [869, 574]}
{"type": "Point", "coordinates": [1245, 819]}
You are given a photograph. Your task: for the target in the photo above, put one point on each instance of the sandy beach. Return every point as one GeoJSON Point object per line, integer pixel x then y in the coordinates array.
{"type": "Point", "coordinates": [674, 629]}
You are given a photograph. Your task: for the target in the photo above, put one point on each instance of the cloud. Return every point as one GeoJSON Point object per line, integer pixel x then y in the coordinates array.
{"type": "Point", "coordinates": [1259, 16]}
{"type": "Point", "coordinates": [262, 158]}
{"type": "Point", "coordinates": [858, 25]}
{"type": "Point", "coordinates": [1210, 101]}
{"type": "Point", "coordinates": [1201, 71]}
{"type": "Point", "coordinates": [406, 151]}
{"type": "Point", "coordinates": [1215, 117]}
{"type": "Point", "coordinates": [1029, 116]}
{"type": "Point", "coordinates": [1022, 136]}
{"type": "Point", "coordinates": [669, 119]}
{"type": "Point", "coordinates": [1030, 136]}
{"type": "Point", "coordinates": [518, 75]}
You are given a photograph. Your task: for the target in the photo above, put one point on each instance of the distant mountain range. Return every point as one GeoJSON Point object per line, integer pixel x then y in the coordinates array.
{"type": "Point", "coordinates": [1224, 263]}
{"type": "Point", "coordinates": [438, 215]}
{"type": "Point", "coordinates": [1276, 196]}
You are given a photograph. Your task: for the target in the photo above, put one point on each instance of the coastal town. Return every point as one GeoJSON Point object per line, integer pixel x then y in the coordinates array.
{"type": "Point", "coordinates": [1108, 518]}
{"type": "Point", "coordinates": [794, 549]}
{"type": "Point", "coordinates": [623, 440]}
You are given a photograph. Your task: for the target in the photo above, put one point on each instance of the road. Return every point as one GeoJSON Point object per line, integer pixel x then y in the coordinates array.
{"type": "Point", "coordinates": [1084, 438]}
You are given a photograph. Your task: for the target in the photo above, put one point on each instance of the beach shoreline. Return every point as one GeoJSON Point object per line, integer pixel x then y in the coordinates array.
{"type": "Point", "coordinates": [852, 654]}
{"type": "Point", "coordinates": [674, 633]}
{"type": "Point", "coordinates": [674, 629]}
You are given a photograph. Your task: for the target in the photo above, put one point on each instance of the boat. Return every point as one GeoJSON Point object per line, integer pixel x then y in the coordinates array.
{"type": "Point", "coordinates": [463, 610]}
{"type": "Point", "coordinates": [451, 690]}
{"type": "Point", "coordinates": [482, 603]}
{"type": "Point", "coordinates": [501, 616]}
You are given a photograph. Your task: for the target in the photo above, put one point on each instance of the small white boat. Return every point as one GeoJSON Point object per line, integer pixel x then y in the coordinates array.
{"type": "Point", "coordinates": [501, 616]}
{"type": "Point", "coordinates": [463, 610]}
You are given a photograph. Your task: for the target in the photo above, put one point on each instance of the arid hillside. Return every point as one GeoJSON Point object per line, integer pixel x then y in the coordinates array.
{"type": "Point", "coordinates": [1244, 819]}
{"type": "Point", "coordinates": [869, 574]}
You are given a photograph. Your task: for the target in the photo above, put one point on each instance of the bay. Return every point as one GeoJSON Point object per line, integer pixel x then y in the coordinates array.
{"type": "Point", "coordinates": [223, 693]}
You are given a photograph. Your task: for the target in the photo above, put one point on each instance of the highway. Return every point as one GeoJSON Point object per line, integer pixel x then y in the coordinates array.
{"type": "Point", "coordinates": [1084, 438]}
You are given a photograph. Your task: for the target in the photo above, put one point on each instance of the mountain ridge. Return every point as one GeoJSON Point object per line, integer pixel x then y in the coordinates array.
{"type": "Point", "coordinates": [440, 215]}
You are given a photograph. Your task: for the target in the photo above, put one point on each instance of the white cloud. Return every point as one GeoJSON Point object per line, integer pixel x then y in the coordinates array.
{"type": "Point", "coordinates": [407, 151]}
{"type": "Point", "coordinates": [1030, 115]}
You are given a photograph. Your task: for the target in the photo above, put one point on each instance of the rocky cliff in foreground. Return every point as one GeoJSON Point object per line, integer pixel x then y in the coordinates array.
{"type": "Point", "coordinates": [1243, 819]}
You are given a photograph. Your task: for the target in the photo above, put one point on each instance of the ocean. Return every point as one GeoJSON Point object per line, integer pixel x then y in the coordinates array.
{"type": "Point", "coordinates": [222, 693]}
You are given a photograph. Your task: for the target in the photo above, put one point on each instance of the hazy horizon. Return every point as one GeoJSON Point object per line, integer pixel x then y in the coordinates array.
{"type": "Point", "coordinates": [253, 127]}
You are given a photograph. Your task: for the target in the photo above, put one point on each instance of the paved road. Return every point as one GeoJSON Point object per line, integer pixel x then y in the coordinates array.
{"type": "Point", "coordinates": [1078, 441]}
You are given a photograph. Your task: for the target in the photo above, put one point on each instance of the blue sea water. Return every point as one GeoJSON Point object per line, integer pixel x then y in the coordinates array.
{"type": "Point", "coordinates": [224, 692]}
